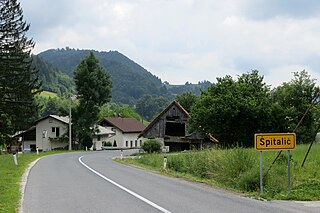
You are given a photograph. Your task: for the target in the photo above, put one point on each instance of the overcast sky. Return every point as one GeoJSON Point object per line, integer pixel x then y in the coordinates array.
{"type": "Point", "coordinates": [187, 40]}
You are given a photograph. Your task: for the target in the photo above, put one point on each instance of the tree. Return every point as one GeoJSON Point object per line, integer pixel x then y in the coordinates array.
{"type": "Point", "coordinates": [233, 111]}
{"type": "Point", "coordinates": [186, 100]}
{"type": "Point", "coordinates": [117, 110]}
{"type": "Point", "coordinates": [295, 97]}
{"type": "Point", "coordinates": [93, 85]}
{"type": "Point", "coordinates": [18, 79]}
{"type": "Point", "coordinates": [149, 105]}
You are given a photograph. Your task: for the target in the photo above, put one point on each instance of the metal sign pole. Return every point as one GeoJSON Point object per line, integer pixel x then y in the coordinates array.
{"type": "Point", "coordinates": [261, 174]}
{"type": "Point", "coordinates": [289, 181]}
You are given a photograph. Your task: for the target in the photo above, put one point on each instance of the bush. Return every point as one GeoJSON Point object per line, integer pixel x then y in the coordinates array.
{"type": "Point", "coordinates": [107, 143]}
{"type": "Point", "coordinates": [151, 146]}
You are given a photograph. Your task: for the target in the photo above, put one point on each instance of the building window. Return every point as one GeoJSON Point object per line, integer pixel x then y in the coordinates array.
{"type": "Point", "coordinates": [136, 143]}
{"type": "Point", "coordinates": [140, 142]}
{"type": "Point", "coordinates": [126, 143]}
{"type": "Point", "coordinates": [98, 137]}
{"type": "Point", "coordinates": [56, 130]}
{"type": "Point", "coordinates": [131, 144]}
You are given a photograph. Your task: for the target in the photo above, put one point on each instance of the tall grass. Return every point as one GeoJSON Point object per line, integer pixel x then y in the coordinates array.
{"type": "Point", "coordinates": [238, 169]}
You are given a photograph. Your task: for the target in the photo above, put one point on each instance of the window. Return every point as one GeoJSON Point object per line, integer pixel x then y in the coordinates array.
{"type": "Point", "coordinates": [56, 130]}
{"type": "Point", "coordinates": [136, 143]}
{"type": "Point", "coordinates": [175, 129]}
{"type": "Point", "coordinates": [131, 144]}
{"type": "Point", "coordinates": [98, 137]}
{"type": "Point", "coordinates": [126, 143]}
{"type": "Point", "coordinates": [140, 142]}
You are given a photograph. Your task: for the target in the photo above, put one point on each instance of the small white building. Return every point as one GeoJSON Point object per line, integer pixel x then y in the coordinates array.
{"type": "Point", "coordinates": [126, 131]}
{"type": "Point", "coordinates": [49, 131]}
{"type": "Point", "coordinates": [46, 134]}
{"type": "Point", "coordinates": [102, 136]}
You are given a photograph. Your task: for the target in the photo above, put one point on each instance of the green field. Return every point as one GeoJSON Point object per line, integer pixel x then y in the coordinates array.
{"type": "Point", "coordinates": [48, 94]}
{"type": "Point", "coordinates": [10, 178]}
{"type": "Point", "coordinates": [238, 169]}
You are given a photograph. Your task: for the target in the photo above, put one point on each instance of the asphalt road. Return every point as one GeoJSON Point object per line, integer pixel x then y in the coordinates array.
{"type": "Point", "coordinates": [93, 182]}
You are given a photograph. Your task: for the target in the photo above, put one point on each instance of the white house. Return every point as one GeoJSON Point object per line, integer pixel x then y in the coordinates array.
{"type": "Point", "coordinates": [46, 134]}
{"type": "Point", "coordinates": [126, 131]}
{"type": "Point", "coordinates": [49, 130]}
{"type": "Point", "coordinates": [101, 136]}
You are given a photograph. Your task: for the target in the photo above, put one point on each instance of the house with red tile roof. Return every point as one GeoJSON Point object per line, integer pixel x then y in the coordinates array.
{"type": "Point", "coordinates": [126, 131]}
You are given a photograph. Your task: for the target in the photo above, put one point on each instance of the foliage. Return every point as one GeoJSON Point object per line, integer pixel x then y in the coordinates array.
{"type": "Point", "coordinates": [130, 80]}
{"type": "Point", "coordinates": [117, 110]}
{"type": "Point", "coordinates": [151, 146]}
{"type": "Point", "coordinates": [294, 98]}
{"type": "Point", "coordinates": [108, 143]}
{"type": "Point", "coordinates": [238, 169]}
{"type": "Point", "coordinates": [93, 85]}
{"type": "Point", "coordinates": [148, 106]}
{"type": "Point", "coordinates": [233, 111]}
{"type": "Point", "coordinates": [52, 79]}
{"type": "Point", "coordinates": [188, 87]}
{"type": "Point", "coordinates": [186, 100]}
{"type": "Point", "coordinates": [18, 80]}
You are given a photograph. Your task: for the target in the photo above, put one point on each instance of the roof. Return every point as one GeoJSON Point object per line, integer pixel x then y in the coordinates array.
{"type": "Point", "coordinates": [63, 119]}
{"type": "Point", "coordinates": [20, 133]}
{"type": "Point", "coordinates": [104, 131]}
{"type": "Point", "coordinates": [164, 111]}
{"type": "Point", "coordinates": [126, 125]}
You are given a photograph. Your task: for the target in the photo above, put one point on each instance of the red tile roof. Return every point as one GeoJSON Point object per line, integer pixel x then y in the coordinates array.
{"type": "Point", "coordinates": [126, 125]}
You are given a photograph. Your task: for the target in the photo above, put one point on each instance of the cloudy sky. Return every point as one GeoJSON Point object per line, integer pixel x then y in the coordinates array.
{"type": "Point", "coordinates": [187, 40]}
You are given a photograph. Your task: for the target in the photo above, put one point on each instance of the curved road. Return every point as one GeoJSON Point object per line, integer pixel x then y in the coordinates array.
{"type": "Point", "coordinates": [93, 182]}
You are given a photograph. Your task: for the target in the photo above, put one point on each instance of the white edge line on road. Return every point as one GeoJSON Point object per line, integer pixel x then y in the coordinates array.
{"type": "Point", "coordinates": [125, 189]}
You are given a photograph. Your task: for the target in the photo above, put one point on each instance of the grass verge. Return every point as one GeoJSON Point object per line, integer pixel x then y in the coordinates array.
{"type": "Point", "coordinates": [11, 176]}
{"type": "Point", "coordinates": [238, 169]}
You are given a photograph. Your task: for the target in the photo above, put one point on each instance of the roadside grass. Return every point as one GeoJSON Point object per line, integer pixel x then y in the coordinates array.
{"type": "Point", "coordinates": [238, 169]}
{"type": "Point", "coordinates": [11, 177]}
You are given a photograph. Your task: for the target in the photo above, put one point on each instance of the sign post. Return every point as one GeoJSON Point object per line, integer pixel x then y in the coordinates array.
{"type": "Point", "coordinates": [261, 174]}
{"type": "Point", "coordinates": [274, 141]}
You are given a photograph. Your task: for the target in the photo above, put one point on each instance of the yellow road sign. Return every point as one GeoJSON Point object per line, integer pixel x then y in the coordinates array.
{"type": "Point", "coordinates": [272, 141]}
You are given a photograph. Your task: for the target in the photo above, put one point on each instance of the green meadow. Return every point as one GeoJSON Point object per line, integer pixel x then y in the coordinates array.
{"type": "Point", "coordinates": [238, 169]}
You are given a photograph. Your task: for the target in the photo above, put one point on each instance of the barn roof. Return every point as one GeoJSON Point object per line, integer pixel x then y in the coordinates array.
{"type": "Point", "coordinates": [176, 103]}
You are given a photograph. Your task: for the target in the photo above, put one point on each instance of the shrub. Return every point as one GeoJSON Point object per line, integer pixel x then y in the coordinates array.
{"type": "Point", "coordinates": [151, 146]}
{"type": "Point", "coordinates": [108, 143]}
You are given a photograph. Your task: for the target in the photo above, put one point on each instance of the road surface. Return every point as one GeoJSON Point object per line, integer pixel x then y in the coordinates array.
{"type": "Point", "coordinates": [93, 182]}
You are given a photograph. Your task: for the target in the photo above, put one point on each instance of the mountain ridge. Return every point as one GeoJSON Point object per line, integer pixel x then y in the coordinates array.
{"type": "Point", "coordinates": [130, 80]}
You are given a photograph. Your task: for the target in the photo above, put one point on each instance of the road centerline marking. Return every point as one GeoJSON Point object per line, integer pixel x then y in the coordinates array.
{"type": "Point", "coordinates": [124, 189]}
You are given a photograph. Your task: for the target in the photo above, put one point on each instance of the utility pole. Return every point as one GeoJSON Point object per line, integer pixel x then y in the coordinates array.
{"type": "Point", "coordinates": [70, 137]}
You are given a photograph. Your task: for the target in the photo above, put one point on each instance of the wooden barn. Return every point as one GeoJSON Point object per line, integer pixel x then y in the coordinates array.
{"type": "Point", "coordinates": [170, 128]}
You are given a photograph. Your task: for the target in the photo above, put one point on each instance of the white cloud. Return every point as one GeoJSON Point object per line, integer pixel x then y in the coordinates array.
{"type": "Point", "coordinates": [190, 40]}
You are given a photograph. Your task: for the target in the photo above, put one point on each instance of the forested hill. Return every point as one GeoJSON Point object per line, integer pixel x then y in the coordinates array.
{"type": "Point", "coordinates": [52, 79]}
{"type": "Point", "coordinates": [130, 80]}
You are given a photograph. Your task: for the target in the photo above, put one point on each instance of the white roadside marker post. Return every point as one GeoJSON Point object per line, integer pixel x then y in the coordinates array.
{"type": "Point", "coordinates": [15, 158]}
